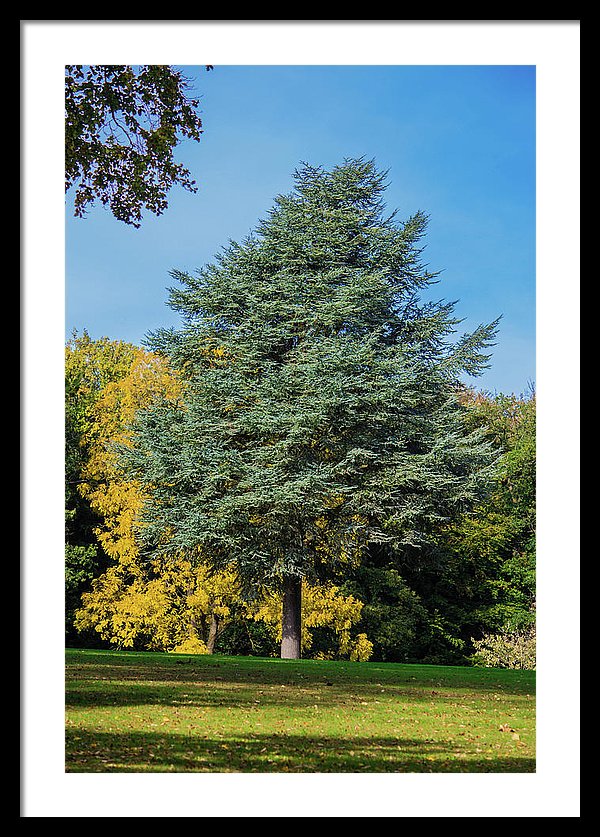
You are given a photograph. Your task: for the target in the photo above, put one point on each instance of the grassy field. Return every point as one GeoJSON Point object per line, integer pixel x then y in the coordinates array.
{"type": "Point", "coordinates": [142, 712]}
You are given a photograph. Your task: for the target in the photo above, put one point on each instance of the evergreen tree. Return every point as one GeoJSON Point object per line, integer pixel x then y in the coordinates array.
{"type": "Point", "coordinates": [319, 411]}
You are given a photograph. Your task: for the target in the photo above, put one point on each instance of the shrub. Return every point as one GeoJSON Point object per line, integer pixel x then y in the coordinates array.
{"type": "Point", "coordinates": [361, 649]}
{"type": "Point", "coordinates": [514, 649]}
{"type": "Point", "coordinates": [191, 645]}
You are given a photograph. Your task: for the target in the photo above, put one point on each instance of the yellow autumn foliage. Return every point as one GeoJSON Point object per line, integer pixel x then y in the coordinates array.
{"type": "Point", "coordinates": [116, 500]}
{"type": "Point", "coordinates": [89, 366]}
{"type": "Point", "coordinates": [166, 606]}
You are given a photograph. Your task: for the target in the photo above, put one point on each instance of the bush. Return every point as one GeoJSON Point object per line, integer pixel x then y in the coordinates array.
{"type": "Point", "coordinates": [191, 645]}
{"type": "Point", "coordinates": [361, 649]}
{"type": "Point", "coordinates": [506, 650]}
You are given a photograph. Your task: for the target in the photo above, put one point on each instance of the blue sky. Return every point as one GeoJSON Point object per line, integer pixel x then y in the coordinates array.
{"type": "Point", "coordinates": [458, 142]}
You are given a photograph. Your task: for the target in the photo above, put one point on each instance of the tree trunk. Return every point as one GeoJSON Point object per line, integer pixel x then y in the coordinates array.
{"type": "Point", "coordinates": [291, 618]}
{"type": "Point", "coordinates": [212, 633]}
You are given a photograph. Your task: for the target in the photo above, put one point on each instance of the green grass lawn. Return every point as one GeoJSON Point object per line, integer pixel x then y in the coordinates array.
{"type": "Point", "coordinates": [142, 712]}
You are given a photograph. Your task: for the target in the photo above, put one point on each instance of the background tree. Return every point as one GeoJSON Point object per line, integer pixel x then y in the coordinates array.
{"type": "Point", "coordinates": [89, 366]}
{"type": "Point", "coordinates": [159, 607]}
{"type": "Point", "coordinates": [113, 497]}
{"type": "Point", "coordinates": [393, 616]}
{"type": "Point", "coordinates": [334, 397]}
{"type": "Point", "coordinates": [498, 540]}
{"type": "Point", "coordinates": [476, 578]}
{"type": "Point", "coordinates": [122, 125]}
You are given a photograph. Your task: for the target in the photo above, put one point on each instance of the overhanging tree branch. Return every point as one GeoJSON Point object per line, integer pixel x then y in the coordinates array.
{"type": "Point", "coordinates": [152, 111]}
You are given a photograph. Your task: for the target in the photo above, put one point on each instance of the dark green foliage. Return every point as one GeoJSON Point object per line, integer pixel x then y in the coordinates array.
{"type": "Point", "coordinates": [82, 564]}
{"type": "Point", "coordinates": [244, 637]}
{"type": "Point", "coordinates": [320, 409]}
{"type": "Point", "coordinates": [122, 125]}
{"type": "Point", "coordinates": [477, 575]}
{"type": "Point", "coordinates": [497, 541]}
{"type": "Point", "coordinates": [393, 616]}
{"type": "Point", "coordinates": [84, 559]}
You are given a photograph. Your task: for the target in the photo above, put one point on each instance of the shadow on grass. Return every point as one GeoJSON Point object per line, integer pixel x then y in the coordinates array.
{"type": "Point", "coordinates": [241, 694]}
{"type": "Point", "coordinates": [141, 752]}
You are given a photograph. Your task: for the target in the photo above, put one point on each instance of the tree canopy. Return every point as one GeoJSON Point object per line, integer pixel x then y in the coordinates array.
{"type": "Point", "coordinates": [122, 125]}
{"type": "Point", "coordinates": [320, 407]}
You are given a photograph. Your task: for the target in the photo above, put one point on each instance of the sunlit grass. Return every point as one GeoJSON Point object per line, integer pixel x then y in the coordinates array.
{"type": "Point", "coordinates": [140, 712]}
